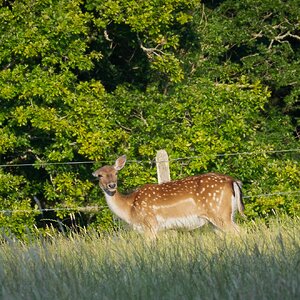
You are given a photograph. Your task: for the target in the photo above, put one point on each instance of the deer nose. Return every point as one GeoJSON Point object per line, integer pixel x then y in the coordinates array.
{"type": "Point", "coordinates": [112, 185]}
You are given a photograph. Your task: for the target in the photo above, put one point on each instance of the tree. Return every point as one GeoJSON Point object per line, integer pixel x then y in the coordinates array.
{"type": "Point", "coordinates": [48, 114]}
{"type": "Point", "coordinates": [89, 80]}
{"type": "Point", "coordinates": [258, 39]}
{"type": "Point", "coordinates": [139, 40]}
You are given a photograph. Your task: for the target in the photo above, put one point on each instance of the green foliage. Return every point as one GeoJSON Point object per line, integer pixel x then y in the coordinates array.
{"type": "Point", "coordinates": [198, 118]}
{"type": "Point", "coordinates": [89, 80]}
{"type": "Point", "coordinates": [48, 115]}
{"type": "Point", "coordinates": [18, 216]}
{"type": "Point", "coordinates": [152, 32]}
{"type": "Point", "coordinates": [259, 39]}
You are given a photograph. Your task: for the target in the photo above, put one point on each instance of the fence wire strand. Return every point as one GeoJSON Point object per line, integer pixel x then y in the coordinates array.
{"type": "Point", "coordinates": [95, 209]}
{"type": "Point", "coordinates": [44, 164]}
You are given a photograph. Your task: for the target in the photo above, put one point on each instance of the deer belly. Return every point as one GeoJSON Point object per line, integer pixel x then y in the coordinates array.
{"type": "Point", "coordinates": [181, 213]}
{"type": "Point", "coordinates": [188, 222]}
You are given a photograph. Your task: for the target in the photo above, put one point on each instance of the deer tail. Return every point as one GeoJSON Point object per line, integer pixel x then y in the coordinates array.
{"type": "Point", "coordinates": [238, 195]}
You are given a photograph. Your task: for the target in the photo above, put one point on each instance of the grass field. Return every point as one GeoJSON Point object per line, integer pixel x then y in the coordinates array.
{"type": "Point", "coordinates": [262, 263]}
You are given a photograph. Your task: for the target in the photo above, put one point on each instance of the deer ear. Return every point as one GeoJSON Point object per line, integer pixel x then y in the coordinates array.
{"type": "Point", "coordinates": [120, 162]}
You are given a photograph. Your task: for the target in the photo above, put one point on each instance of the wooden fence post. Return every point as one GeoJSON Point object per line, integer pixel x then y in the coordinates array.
{"type": "Point", "coordinates": [162, 166]}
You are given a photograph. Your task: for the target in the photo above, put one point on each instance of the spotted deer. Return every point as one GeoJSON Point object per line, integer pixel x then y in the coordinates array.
{"type": "Point", "coordinates": [186, 203]}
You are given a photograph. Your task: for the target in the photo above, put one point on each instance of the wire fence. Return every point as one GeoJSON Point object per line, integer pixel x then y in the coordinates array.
{"type": "Point", "coordinates": [44, 164]}
{"type": "Point", "coordinates": [93, 209]}
{"type": "Point", "coordinates": [42, 210]}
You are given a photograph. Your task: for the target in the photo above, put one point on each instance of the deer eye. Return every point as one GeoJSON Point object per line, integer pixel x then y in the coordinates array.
{"type": "Point", "coordinates": [100, 176]}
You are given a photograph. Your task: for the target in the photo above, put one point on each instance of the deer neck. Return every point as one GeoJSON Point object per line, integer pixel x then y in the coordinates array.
{"type": "Point", "coordinates": [119, 204]}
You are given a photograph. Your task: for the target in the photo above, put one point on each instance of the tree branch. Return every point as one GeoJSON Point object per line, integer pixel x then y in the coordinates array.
{"type": "Point", "coordinates": [149, 51]}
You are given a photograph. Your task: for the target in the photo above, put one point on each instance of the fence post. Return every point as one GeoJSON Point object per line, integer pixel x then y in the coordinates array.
{"type": "Point", "coordinates": [162, 166]}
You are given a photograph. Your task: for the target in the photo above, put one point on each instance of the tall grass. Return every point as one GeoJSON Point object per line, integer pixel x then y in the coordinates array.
{"type": "Point", "coordinates": [262, 263]}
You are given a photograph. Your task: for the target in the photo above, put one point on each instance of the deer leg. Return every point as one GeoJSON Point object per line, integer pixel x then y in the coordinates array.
{"type": "Point", "coordinates": [150, 229]}
{"type": "Point", "coordinates": [225, 225]}
{"type": "Point", "coordinates": [150, 235]}
{"type": "Point", "coordinates": [232, 228]}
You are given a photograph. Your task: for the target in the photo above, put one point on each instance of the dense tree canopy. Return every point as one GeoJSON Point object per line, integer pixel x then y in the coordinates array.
{"type": "Point", "coordinates": [89, 80]}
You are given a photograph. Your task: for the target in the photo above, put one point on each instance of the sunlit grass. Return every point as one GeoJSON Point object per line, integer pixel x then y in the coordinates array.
{"type": "Point", "coordinates": [262, 263]}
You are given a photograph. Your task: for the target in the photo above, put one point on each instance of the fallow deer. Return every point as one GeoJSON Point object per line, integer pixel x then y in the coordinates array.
{"type": "Point", "coordinates": [186, 203]}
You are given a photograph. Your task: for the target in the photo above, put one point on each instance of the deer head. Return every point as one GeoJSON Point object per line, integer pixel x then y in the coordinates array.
{"type": "Point", "coordinates": [107, 175]}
